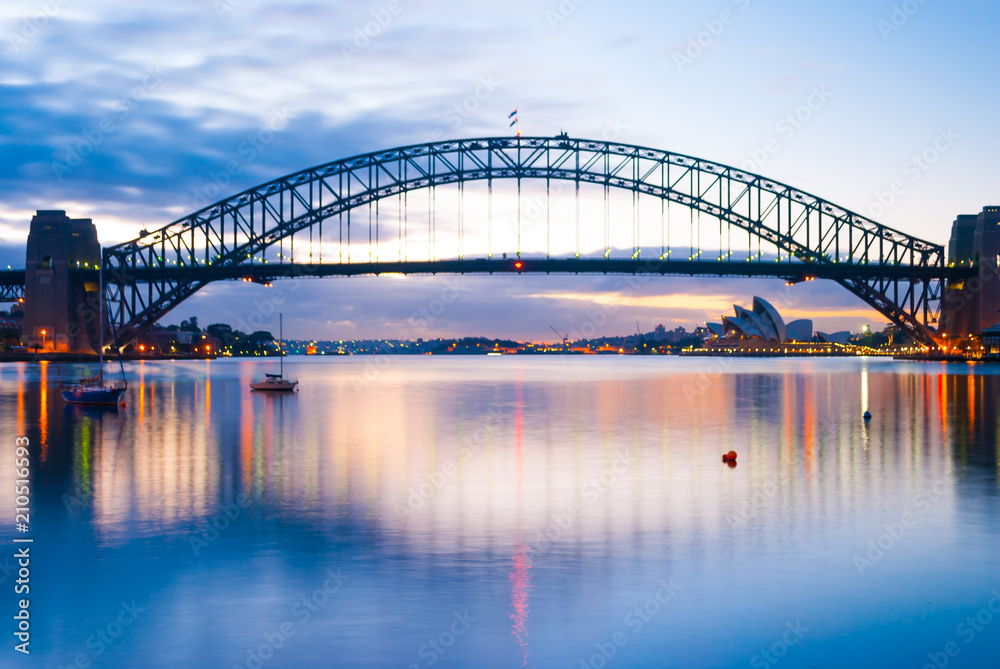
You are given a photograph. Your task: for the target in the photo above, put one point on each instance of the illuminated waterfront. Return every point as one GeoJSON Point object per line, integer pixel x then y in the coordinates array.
{"type": "Point", "coordinates": [516, 512]}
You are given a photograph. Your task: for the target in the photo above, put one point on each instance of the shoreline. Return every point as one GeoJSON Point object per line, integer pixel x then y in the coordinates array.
{"type": "Point", "coordinates": [72, 358]}
{"type": "Point", "coordinates": [91, 357]}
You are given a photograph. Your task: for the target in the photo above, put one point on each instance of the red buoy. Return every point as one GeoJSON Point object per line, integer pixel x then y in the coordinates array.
{"type": "Point", "coordinates": [731, 455]}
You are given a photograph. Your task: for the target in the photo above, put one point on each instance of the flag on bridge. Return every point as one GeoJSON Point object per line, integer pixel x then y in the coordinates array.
{"type": "Point", "coordinates": [513, 115]}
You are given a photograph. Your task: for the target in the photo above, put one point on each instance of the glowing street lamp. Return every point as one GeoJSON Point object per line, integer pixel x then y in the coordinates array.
{"type": "Point", "coordinates": [43, 340]}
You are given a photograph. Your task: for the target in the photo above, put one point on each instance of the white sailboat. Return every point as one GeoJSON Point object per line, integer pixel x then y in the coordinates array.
{"type": "Point", "coordinates": [277, 382]}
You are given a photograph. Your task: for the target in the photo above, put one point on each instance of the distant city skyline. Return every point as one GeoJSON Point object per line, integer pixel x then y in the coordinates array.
{"type": "Point", "coordinates": [117, 113]}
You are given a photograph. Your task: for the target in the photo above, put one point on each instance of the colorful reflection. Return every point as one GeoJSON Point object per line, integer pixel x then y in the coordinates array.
{"type": "Point", "coordinates": [530, 482]}
{"type": "Point", "coordinates": [385, 451]}
{"type": "Point", "coordinates": [43, 418]}
{"type": "Point", "coordinates": [520, 585]}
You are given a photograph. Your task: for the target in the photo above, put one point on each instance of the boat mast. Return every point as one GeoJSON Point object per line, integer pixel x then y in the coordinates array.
{"type": "Point", "coordinates": [281, 347]}
{"type": "Point", "coordinates": [100, 316]}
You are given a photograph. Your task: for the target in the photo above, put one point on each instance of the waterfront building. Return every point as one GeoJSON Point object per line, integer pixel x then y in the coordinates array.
{"type": "Point", "coordinates": [762, 322]}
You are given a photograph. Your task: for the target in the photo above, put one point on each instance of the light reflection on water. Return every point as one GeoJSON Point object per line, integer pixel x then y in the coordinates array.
{"type": "Point", "coordinates": [515, 512]}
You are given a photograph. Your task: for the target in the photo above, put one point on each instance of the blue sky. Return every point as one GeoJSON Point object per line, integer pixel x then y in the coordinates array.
{"type": "Point", "coordinates": [162, 96]}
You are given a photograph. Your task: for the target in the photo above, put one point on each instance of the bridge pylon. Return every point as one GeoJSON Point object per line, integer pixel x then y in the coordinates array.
{"type": "Point", "coordinates": [61, 283]}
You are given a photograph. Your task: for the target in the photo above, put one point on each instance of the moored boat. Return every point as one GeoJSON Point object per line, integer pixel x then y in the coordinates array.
{"type": "Point", "coordinates": [274, 382]}
{"type": "Point", "coordinates": [93, 390]}
{"type": "Point", "coordinates": [100, 393]}
{"type": "Point", "coordinates": [277, 382]}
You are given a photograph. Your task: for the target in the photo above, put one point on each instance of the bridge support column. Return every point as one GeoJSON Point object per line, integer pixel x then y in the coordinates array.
{"type": "Point", "coordinates": [61, 283]}
{"type": "Point", "coordinates": [972, 305]}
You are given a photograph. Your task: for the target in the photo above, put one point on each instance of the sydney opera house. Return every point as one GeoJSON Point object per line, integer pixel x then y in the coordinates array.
{"type": "Point", "coordinates": [763, 325]}
{"type": "Point", "coordinates": [763, 322]}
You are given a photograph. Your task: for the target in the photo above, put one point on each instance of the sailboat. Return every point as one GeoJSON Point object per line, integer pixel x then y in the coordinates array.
{"type": "Point", "coordinates": [93, 390]}
{"type": "Point", "coordinates": [277, 382]}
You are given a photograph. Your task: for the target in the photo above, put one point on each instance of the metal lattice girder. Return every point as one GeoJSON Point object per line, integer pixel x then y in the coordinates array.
{"type": "Point", "coordinates": [11, 285]}
{"type": "Point", "coordinates": [11, 293]}
{"type": "Point", "coordinates": [150, 275]}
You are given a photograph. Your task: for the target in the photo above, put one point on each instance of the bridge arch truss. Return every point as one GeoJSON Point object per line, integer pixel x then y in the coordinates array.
{"type": "Point", "coordinates": [899, 275]}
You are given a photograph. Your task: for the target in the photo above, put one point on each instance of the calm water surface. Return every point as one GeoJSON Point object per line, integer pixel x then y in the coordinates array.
{"type": "Point", "coordinates": [512, 512]}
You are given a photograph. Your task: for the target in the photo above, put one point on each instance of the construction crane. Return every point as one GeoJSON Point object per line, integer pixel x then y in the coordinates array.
{"type": "Point", "coordinates": [565, 337]}
{"type": "Point", "coordinates": [640, 341]}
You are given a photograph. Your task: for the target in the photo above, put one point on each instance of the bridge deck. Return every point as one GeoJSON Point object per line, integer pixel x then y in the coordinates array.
{"type": "Point", "coordinates": [797, 271]}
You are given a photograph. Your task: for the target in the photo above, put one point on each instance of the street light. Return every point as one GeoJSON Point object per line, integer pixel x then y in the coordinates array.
{"type": "Point", "coordinates": [43, 340]}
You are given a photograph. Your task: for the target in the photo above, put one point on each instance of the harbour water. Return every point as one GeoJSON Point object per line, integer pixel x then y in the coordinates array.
{"type": "Point", "coordinates": [512, 512]}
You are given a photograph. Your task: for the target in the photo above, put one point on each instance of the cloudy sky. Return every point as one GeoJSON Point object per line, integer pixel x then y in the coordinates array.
{"type": "Point", "coordinates": [125, 112]}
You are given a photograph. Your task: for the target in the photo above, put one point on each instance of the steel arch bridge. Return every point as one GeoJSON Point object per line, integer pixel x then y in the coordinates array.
{"type": "Point", "coordinates": [244, 236]}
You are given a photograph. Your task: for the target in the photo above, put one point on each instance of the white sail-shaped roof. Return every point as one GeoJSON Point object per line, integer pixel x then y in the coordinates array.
{"type": "Point", "coordinates": [769, 315]}
{"type": "Point", "coordinates": [800, 330]}
{"type": "Point", "coordinates": [764, 325]}
{"type": "Point", "coordinates": [718, 329]}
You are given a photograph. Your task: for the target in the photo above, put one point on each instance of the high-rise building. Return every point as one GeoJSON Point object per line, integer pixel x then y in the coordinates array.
{"type": "Point", "coordinates": [970, 306]}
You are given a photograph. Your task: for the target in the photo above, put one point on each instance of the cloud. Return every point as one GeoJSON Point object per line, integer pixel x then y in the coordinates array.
{"type": "Point", "coordinates": [661, 302]}
{"type": "Point", "coordinates": [505, 306]}
{"type": "Point", "coordinates": [225, 76]}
